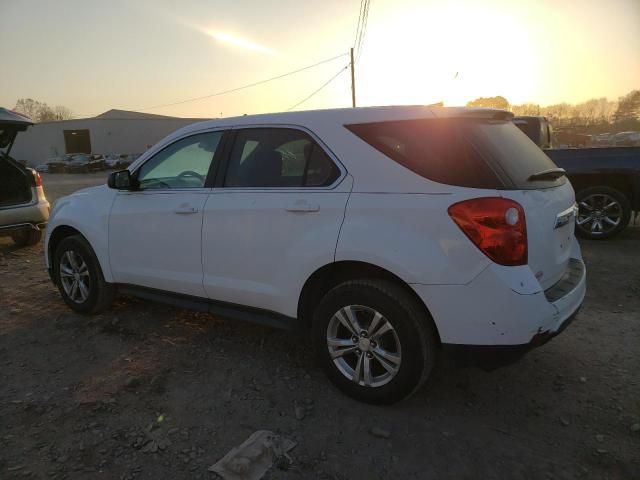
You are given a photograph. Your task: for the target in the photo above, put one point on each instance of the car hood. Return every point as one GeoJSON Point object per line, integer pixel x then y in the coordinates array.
{"type": "Point", "coordinates": [90, 190]}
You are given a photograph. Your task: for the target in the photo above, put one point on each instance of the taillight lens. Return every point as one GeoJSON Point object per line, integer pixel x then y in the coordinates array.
{"type": "Point", "coordinates": [496, 226]}
{"type": "Point", "coordinates": [37, 178]}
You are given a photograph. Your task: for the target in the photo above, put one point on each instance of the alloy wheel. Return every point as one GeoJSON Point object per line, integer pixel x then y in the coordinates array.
{"type": "Point", "coordinates": [599, 214]}
{"type": "Point", "coordinates": [74, 276]}
{"type": "Point", "coordinates": [364, 346]}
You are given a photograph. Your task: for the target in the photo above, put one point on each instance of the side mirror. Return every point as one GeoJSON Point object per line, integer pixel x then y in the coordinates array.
{"type": "Point", "coordinates": [120, 180]}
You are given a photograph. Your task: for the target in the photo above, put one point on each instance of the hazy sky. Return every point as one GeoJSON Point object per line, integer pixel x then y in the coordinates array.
{"type": "Point", "coordinates": [92, 55]}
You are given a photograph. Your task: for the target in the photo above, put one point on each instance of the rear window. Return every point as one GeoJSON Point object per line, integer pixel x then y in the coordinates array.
{"type": "Point", "coordinates": [514, 153]}
{"type": "Point", "coordinates": [472, 153]}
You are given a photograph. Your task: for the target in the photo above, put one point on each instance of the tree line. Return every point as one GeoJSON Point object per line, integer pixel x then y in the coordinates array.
{"type": "Point", "coordinates": [596, 115]}
{"type": "Point", "coordinates": [41, 112]}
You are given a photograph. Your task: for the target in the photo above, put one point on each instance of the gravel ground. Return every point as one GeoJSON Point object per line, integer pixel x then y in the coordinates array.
{"type": "Point", "coordinates": [147, 391]}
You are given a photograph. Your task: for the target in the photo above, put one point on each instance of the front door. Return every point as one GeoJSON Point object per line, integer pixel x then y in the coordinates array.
{"type": "Point", "coordinates": [155, 230]}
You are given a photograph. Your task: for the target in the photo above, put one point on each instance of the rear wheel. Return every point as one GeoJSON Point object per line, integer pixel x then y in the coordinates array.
{"type": "Point", "coordinates": [374, 341]}
{"type": "Point", "coordinates": [27, 238]}
{"type": "Point", "coordinates": [79, 277]}
{"type": "Point", "coordinates": [603, 212]}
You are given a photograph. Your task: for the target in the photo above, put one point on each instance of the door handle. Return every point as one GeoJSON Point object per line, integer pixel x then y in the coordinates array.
{"type": "Point", "coordinates": [186, 209]}
{"type": "Point", "coordinates": [302, 206]}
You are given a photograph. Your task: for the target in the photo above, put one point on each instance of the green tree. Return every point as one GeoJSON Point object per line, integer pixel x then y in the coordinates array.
{"type": "Point", "coordinates": [526, 109]}
{"type": "Point", "coordinates": [30, 107]}
{"type": "Point", "coordinates": [41, 112]}
{"type": "Point", "coordinates": [490, 102]}
{"type": "Point", "coordinates": [628, 111]}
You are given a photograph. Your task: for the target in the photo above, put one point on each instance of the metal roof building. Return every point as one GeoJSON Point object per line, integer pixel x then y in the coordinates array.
{"type": "Point", "coordinates": [114, 131]}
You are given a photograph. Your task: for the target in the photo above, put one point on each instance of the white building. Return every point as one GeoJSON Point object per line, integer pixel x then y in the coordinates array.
{"type": "Point", "coordinates": [115, 131]}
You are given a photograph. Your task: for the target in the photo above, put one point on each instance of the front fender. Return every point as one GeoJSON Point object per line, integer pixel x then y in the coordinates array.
{"type": "Point", "coordinates": [86, 211]}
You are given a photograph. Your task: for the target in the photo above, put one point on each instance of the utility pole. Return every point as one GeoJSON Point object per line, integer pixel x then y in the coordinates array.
{"type": "Point", "coordinates": [353, 82]}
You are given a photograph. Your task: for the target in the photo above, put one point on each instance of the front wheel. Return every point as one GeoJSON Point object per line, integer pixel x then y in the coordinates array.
{"type": "Point", "coordinates": [603, 212]}
{"type": "Point", "coordinates": [79, 277]}
{"type": "Point", "coordinates": [374, 341]}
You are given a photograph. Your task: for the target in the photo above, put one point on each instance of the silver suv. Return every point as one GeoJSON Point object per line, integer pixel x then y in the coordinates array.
{"type": "Point", "coordinates": [24, 209]}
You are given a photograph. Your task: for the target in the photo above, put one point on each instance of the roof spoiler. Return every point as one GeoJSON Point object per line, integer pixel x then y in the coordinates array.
{"type": "Point", "coordinates": [489, 114]}
{"type": "Point", "coordinates": [471, 112]}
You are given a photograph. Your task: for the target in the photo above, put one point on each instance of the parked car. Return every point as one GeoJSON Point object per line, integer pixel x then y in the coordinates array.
{"type": "Point", "coordinates": [58, 164]}
{"type": "Point", "coordinates": [85, 163]}
{"type": "Point", "coordinates": [606, 180]}
{"type": "Point", "coordinates": [602, 140]}
{"type": "Point", "coordinates": [120, 161]}
{"type": "Point", "coordinates": [627, 139]}
{"type": "Point", "coordinates": [24, 209]}
{"type": "Point", "coordinates": [112, 161]}
{"type": "Point", "coordinates": [43, 168]}
{"type": "Point", "coordinates": [390, 233]}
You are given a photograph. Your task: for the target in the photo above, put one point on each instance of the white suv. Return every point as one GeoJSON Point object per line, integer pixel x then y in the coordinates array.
{"type": "Point", "coordinates": [390, 233]}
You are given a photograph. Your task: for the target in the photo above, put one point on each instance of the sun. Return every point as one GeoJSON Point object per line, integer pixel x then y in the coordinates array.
{"type": "Point", "coordinates": [429, 54]}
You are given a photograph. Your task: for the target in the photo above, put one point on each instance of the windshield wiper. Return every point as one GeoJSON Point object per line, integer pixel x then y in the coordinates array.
{"type": "Point", "coordinates": [550, 174]}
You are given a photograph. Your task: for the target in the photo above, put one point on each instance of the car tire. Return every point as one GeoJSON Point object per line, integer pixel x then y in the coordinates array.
{"type": "Point", "coordinates": [27, 238]}
{"type": "Point", "coordinates": [408, 345]}
{"type": "Point", "coordinates": [593, 201]}
{"type": "Point", "coordinates": [74, 261]}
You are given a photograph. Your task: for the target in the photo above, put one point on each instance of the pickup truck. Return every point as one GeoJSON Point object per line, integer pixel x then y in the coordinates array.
{"type": "Point", "coordinates": [606, 180]}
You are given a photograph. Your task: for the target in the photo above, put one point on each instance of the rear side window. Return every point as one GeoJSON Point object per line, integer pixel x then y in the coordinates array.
{"type": "Point", "coordinates": [278, 157]}
{"type": "Point", "coordinates": [434, 149]}
{"type": "Point", "coordinates": [473, 153]}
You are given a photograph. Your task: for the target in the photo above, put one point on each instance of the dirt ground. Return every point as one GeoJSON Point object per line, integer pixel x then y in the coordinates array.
{"type": "Point", "coordinates": [147, 391]}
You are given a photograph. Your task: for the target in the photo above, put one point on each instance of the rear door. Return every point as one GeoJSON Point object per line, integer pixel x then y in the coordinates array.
{"type": "Point", "coordinates": [273, 219]}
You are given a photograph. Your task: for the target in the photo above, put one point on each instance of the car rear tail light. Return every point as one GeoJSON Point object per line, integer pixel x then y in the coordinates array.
{"type": "Point", "coordinates": [496, 226]}
{"type": "Point", "coordinates": [37, 178]}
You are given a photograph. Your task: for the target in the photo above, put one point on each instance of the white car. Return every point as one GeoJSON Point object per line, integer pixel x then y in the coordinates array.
{"type": "Point", "coordinates": [390, 233]}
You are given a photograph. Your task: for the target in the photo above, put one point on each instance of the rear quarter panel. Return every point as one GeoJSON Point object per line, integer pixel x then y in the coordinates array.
{"type": "Point", "coordinates": [412, 236]}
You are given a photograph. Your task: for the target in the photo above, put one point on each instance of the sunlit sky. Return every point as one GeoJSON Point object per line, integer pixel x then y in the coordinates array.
{"type": "Point", "coordinates": [92, 55]}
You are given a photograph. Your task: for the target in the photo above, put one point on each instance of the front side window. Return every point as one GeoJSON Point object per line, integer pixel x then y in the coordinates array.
{"type": "Point", "coordinates": [183, 164]}
{"type": "Point", "coordinates": [278, 157]}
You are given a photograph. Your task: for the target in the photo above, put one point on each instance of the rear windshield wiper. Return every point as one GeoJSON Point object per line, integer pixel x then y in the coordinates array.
{"type": "Point", "coordinates": [550, 174]}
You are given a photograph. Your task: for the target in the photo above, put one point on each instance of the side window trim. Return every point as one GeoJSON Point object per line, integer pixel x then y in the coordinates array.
{"type": "Point", "coordinates": [213, 168]}
{"type": "Point", "coordinates": [317, 142]}
{"type": "Point", "coordinates": [230, 140]}
{"type": "Point", "coordinates": [219, 159]}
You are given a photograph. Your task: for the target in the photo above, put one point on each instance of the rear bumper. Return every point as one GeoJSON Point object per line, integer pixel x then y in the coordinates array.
{"type": "Point", "coordinates": [7, 229]}
{"type": "Point", "coordinates": [503, 310]}
{"type": "Point", "coordinates": [489, 357]}
{"type": "Point", "coordinates": [33, 216]}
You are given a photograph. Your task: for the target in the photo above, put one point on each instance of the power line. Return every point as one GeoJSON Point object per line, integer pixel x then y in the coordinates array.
{"type": "Point", "coordinates": [365, 24]}
{"type": "Point", "coordinates": [355, 41]}
{"type": "Point", "coordinates": [254, 84]}
{"type": "Point", "coordinates": [320, 88]}
{"type": "Point", "coordinates": [363, 27]}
